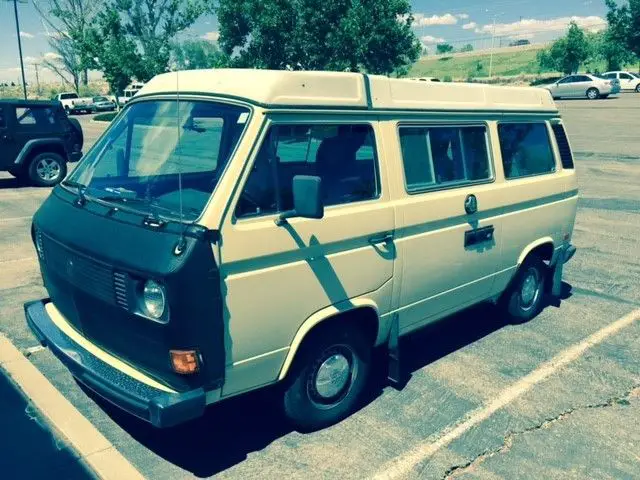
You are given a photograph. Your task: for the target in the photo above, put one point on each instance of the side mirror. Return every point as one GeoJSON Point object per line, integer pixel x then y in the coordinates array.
{"type": "Point", "coordinates": [307, 199]}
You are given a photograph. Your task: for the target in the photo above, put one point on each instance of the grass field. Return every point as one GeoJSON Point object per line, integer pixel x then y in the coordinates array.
{"type": "Point", "coordinates": [505, 64]}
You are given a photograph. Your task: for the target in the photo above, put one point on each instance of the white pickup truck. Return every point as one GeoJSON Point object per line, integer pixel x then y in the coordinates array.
{"type": "Point", "coordinates": [72, 103]}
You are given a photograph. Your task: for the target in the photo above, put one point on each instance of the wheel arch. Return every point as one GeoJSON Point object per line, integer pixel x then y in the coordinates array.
{"type": "Point", "coordinates": [362, 311]}
{"type": "Point", "coordinates": [37, 146]}
{"type": "Point", "coordinates": [544, 246]}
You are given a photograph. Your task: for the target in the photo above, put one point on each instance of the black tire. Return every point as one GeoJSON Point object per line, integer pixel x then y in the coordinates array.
{"type": "Point", "coordinates": [518, 304]}
{"type": "Point", "coordinates": [47, 169]}
{"type": "Point", "coordinates": [308, 409]}
{"type": "Point", "coordinates": [593, 93]}
{"type": "Point", "coordinates": [638, 88]}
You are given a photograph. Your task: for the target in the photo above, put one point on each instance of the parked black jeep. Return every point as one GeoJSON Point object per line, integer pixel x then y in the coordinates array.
{"type": "Point", "coordinates": [37, 139]}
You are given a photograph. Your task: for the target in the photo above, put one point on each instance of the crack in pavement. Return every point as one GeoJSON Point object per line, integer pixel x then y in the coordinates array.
{"type": "Point", "coordinates": [510, 438]}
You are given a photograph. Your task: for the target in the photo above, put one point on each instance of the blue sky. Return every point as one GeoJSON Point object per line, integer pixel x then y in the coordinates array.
{"type": "Point", "coordinates": [456, 21]}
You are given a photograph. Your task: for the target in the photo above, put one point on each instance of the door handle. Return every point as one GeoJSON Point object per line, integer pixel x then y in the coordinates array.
{"type": "Point", "coordinates": [384, 238]}
{"type": "Point", "coordinates": [480, 235]}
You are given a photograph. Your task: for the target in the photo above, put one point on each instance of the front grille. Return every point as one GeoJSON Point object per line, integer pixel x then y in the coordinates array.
{"type": "Point", "coordinates": [84, 273]}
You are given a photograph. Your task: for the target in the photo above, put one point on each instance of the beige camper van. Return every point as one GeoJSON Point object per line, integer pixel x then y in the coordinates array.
{"type": "Point", "coordinates": [235, 229]}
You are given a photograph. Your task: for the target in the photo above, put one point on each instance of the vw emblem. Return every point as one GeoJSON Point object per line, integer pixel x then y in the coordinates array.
{"type": "Point", "coordinates": [471, 204]}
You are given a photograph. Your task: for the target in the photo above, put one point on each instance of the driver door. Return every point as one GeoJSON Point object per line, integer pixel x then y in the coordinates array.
{"type": "Point", "coordinates": [278, 276]}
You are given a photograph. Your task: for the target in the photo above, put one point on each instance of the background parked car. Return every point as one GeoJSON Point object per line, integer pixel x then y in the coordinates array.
{"type": "Point", "coordinates": [103, 104]}
{"type": "Point", "coordinates": [628, 81]}
{"type": "Point", "coordinates": [37, 139]}
{"type": "Point", "coordinates": [72, 103]}
{"type": "Point", "coordinates": [583, 85]}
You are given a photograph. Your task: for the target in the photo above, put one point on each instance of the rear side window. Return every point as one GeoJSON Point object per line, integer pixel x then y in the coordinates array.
{"type": "Point", "coordinates": [563, 145]}
{"type": "Point", "coordinates": [25, 116]}
{"type": "Point", "coordinates": [440, 156]}
{"type": "Point", "coordinates": [38, 116]}
{"type": "Point", "coordinates": [526, 149]}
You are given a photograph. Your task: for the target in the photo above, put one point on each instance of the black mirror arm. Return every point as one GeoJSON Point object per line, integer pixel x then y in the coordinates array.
{"type": "Point", "coordinates": [282, 218]}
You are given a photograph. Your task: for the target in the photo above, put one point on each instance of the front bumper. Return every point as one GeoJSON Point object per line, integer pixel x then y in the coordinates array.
{"type": "Point", "coordinates": [160, 408]}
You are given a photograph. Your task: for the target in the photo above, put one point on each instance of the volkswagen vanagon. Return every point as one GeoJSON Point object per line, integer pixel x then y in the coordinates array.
{"type": "Point", "coordinates": [234, 229]}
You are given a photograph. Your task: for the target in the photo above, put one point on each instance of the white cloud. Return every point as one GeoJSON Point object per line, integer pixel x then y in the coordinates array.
{"type": "Point", "coordinates": [530, 26]}
{"type": "Point", "coordinates": [421, 20]}
{"type": "Point", "coordinates": [428, 39]}
{"type": "Point", "coordinates": [51, 56]}
{"type": "Point", "coordinates": [25, 34]}
{"type": "Point", "coordinates": [32, 60]}
{"type": "Point", "coordinates": [463, 16]}
{"type": "Point", "coordinates": [211, 36]}
{"type": "Point", "coordinates": [469, 26]}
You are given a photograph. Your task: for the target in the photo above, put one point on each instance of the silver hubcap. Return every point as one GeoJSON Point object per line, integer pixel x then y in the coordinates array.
{"type": "Point", "coordinates": [530, 289]}
{"type": "Point", "coordinates": [48, 169]}
{"type": "Point", "coordinates": [592, 94]}
{"type": "Point", "coordinates": [333, 375]}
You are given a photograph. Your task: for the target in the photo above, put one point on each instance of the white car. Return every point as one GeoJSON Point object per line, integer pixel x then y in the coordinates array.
{"type": "Point", "coordinates": [582, 85]}
{"type": "Point", "coordinates": [426, 79]}
{"type": "Point", "coordinates": [628, 81]}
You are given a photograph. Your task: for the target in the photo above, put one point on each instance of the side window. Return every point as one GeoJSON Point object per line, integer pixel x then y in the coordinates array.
{"type": "Point", "coordinates": [343, 156]}
{"type": "Point", "coordinates": [434, 156]}
{"type": "Point", "coordinates": [566, 80]}
{"type": "Point", "coordinates": [583, 78]}
{"type": "Point", "coordinates": [626, 76]}
{"type": "Point", "coordinates": [526, 149]}
{"type": "Point", "coordinates": [25, 116]}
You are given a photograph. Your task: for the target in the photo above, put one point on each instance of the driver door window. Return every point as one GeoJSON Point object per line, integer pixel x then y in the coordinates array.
{"type": "Point", "coordinates": [343, 156]}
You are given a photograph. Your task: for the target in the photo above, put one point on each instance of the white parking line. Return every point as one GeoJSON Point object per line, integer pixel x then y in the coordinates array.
{"type": "Point", "coordinates": [15, 219]}
{"type": "Point", "coordinates": [404, 464]}
{"type": "Point", "coordinates": [91, 446]}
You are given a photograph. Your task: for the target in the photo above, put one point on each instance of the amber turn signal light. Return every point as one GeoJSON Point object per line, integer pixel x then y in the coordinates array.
{"type": "Point", "coordinates": [184, 362]}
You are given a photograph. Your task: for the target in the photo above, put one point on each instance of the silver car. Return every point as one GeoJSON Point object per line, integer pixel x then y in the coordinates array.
{"type": "Point", "coordinates": [583, 85]}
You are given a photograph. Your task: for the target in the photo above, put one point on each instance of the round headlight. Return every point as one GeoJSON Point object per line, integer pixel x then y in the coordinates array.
{"type": "Point", "coordinates": [154, 299]}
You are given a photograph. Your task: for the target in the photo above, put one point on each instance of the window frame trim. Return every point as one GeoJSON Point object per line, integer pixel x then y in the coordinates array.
{"type": "Point", "coordinates": [551, 149]}
{"type": "Point", "coordinates": [258, 144]}
{"type": "Point", "coordinates": [449, 185]}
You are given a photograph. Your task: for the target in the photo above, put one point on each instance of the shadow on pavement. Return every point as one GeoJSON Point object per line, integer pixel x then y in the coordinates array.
{"type": "Point", "coordinates": [231, 430]}
{"type": "Point", "coordinates": [12, 183]}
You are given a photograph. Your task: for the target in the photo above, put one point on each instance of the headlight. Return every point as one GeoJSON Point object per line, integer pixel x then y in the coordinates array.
{"type": "Point", "coordinates": [153, 298]}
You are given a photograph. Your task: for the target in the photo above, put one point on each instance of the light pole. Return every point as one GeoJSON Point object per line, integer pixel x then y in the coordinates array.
{"type": "Point", "coordinates": [493, 41]}
{"type": "Point", "coordinates": [15, 11]}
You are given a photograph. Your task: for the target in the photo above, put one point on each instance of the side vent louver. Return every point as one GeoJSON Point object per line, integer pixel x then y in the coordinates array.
{"type": "Point", "coordinates": [120, 289]}
{"type": "Point", "coordinates": [563, 145]}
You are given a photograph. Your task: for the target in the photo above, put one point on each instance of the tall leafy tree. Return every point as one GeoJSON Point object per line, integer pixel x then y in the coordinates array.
{"type": "Point", "coordinates": [343, 35]}
{"type": "Point", "coordinates": [624, 21]}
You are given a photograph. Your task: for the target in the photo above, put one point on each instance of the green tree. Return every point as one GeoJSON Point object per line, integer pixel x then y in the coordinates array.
{"type": "Point", "coordinates": [567, 53]}
{"type": "Point", "coordinates": [113, 51]}
{"type": "Point", "coordinates": [197, 54]}
{"type": "Point", "coordinates": [442, 48]}
{"type": "Point", "coordinates": [151, 25]}
{"type": "Point", "coordinates": [624, 24]}
{"type": "Point", "coordinates": [467, 48]}
{"type": "Point", "coordinates": [344, 35]}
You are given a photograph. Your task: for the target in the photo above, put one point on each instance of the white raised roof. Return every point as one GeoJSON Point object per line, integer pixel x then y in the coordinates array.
{"type": "Point", "coordinates": [277, 88]}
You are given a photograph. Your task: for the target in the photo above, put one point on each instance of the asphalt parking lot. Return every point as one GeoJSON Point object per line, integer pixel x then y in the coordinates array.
{"type": "Point", "coordinates": [476, 405]}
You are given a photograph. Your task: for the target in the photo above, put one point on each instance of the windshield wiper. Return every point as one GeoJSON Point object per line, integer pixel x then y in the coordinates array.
{"type": "Point", "coordinates": [81, 188]}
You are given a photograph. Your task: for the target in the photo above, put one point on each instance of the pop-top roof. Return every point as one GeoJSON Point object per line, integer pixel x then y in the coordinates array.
{"type": "Point", "coordinates": [276, 88]}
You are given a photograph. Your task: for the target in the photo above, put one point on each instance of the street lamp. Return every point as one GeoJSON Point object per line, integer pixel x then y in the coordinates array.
{"type": "Point", "coordinates": [15, 10]}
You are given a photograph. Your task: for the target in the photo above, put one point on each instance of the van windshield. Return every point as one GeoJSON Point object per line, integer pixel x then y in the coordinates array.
{"type": "Point", "coordinates": [162, 157]}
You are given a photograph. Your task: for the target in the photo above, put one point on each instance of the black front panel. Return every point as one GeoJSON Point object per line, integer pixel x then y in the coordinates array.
{"type": "Point", "coordinates": [93, 262]}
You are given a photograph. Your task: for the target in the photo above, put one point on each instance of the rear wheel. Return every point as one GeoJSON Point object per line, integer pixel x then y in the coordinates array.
{"type": "Point", "coordinates": [638, 88]}
{"type": "Point", "coordinates": [593, 94]}
{"type": "Point", "coordinates": [524, 298]}
{"type": "Point", "coordinates": [47, 169]}
{"type": "Point", "coordinates": [329, 377]}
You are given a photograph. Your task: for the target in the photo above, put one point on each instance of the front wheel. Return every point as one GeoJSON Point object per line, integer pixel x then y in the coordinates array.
{"type": "Point", "coordinates": [524, 298]}
{"type": "Point", "coordinates": [329, 377]}
{"type": "Point", "coordinates": [638, 88]}
{"type": "Point", "coordinates": [593, 94]}
{"type": "Point", "coordinates": [47, 169]}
